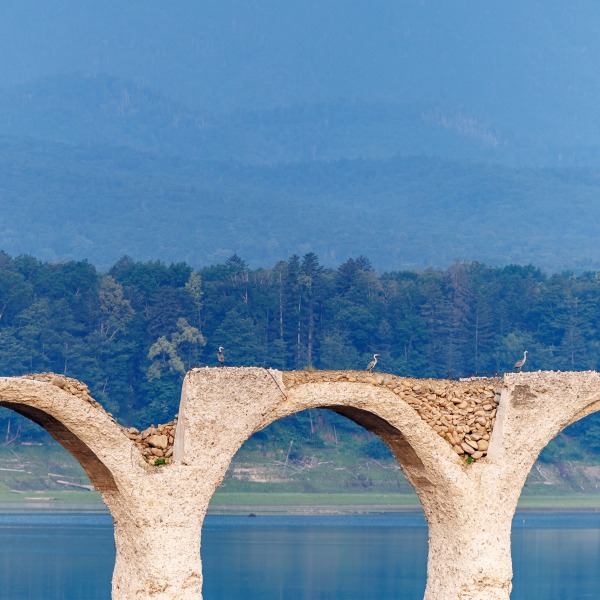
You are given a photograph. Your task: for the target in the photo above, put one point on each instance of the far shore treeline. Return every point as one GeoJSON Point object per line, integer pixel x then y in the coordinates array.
{"type": "Point", "coordinates": [133, 332]}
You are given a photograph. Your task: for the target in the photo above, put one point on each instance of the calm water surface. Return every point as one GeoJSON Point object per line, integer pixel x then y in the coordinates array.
{"type": "Point", "coordinates": [70, 557]}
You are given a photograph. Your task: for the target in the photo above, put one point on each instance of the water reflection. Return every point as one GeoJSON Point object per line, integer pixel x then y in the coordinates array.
{"type": "Point", "coordinates": [71, 557]}
{"type": "Point", "coordinates": [556, 563]}
{"type": "Point", "coordinates": [315, 557]}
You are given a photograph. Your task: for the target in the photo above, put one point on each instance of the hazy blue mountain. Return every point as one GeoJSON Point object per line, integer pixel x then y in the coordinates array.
{"type": "Point", "coordinates": [412, 132]}
{"type": "Point", "coordinates": [60, 201]}
{"type": "Point", "coordinates": [98, 109]}
{"type": "Point", "coordinates": [95, 109]}
{"type": "Point", "coordinates": [528, 67]}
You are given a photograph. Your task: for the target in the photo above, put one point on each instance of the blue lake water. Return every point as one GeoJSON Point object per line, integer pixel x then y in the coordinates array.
{"type": "Point", "coordinates": [70, 557]}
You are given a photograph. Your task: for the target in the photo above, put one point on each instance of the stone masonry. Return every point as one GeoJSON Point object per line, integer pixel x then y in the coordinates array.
{"type": "Point", "coordinates": [465, 446]}
{"type": "Point", "coordinates": [463, 413]}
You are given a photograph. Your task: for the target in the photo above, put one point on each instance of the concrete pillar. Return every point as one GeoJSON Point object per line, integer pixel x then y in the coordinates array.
{"type": "Point", "coordinates": [157, 559]}
{"type": "Point", "coordinates": [470, 541]}
{"type": "Point", "coordinates": [158, 524]}
{"type": "Point", "coordinates": [463, 567]}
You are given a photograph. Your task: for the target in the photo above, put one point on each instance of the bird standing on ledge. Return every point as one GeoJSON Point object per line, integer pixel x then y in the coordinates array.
{"type": "Point", "coordinates": [221, 356]}
{"type": "Point", "coordinates": [372, 364]}
{"type": "Point", "coordinates": [519, 364]}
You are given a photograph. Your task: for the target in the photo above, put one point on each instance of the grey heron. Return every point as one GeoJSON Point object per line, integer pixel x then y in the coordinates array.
{"type": "Point", "coordinates": [372, 364]}
{"type": "Point", "coordinates": [221, 356]}
{"type": "Point", "coordinates": [519, 364]}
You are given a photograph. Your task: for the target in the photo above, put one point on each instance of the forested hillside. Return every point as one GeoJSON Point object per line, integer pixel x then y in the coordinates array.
{"type": "Point", "coordinates": [132, 332]}
{"type": "Point", "coordinates": [62, 202]}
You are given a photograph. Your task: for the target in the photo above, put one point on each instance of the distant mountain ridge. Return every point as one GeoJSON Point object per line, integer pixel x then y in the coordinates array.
{"type": "Point", "coordinates": [62, 202]}
{"type": "Point", "coordinates": [526, 68]}
{"type": "Point", "coordinates": [82, 109]}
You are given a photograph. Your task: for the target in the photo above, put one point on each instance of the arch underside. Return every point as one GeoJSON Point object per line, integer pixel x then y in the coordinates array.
{"type": "Point", "coordinates": [97, 472]}
{"type": "Point", "coordinates": [403, 452]}
{"type": "Point", "coordinates": [592, 408]}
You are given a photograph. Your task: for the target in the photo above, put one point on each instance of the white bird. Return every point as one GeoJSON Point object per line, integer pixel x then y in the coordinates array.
{"type": "Point", "coordinates": [372, 364]}
{"type": "Point", "coordinates": [519, 364]}
{"type": "Point", "coordinates": [221, 356]}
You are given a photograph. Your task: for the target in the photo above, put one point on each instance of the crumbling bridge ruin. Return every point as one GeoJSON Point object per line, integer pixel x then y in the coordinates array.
{"type": "Point", "coordinates": [465, 446]}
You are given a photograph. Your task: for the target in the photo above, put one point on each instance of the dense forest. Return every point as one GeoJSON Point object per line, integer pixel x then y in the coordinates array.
{"type": "Point", "coordinates": [132, 333]}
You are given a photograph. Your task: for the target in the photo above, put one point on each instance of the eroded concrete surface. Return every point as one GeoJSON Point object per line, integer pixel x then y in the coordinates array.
{"type": "Point", "coordinates": [431, 427]}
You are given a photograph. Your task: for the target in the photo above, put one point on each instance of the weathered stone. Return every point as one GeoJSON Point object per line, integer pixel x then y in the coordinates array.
{"type": "Point", "coordinates": [58, 382]}
{"type": "Point", "coordinates": [471, 443]}
{"type": "Point", "coordinates": [468, 449]}
{"type": "Point", "coordinates": [158, 441]}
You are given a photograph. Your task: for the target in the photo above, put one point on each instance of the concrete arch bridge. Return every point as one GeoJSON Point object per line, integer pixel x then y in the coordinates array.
{"type": "Point", "coordinates": [465, 446]}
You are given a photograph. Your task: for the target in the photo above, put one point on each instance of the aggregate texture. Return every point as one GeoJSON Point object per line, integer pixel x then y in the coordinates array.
{"type": "Point", "coordinates": [461, 412]}
{"type": "Point", "coordinates": [154, 442]}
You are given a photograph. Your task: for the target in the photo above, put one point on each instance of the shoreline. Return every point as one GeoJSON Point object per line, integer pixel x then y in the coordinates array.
{"type": "Point", "coordinates": [277, 503]}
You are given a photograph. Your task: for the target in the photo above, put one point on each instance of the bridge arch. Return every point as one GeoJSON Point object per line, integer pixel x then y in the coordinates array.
{"type": "Point", "coordinates": [98, 473]}
{"type": "Point", "coordinates": [247, 555]}
{"type": "Point", "coordinates": [154, 520]}
{"type": "Point", "coordinates": [61, 407]}
{"type": "Point", "coordinates": [591, 408]}
{"type": "Point", "coordinates": [228, 417]}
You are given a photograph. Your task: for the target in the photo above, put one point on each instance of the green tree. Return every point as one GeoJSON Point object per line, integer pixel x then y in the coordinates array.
{"type": "Point", "coordinates": [115, 309]}
{"type": "Point", "coordinates": [194, 289]}
{"type": "Point", "coordinates": [238, 334]}
{"type": "Point", "coordinates": [174, 353]}
{"type": "Point", "coordinates": [338, 353]}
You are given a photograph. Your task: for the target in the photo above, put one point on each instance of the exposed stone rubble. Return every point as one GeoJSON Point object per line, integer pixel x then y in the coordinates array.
{"type": "Point", "coordinates": [461, 412]}
{"type": "Point", "coordinates": [73, 386]}
{"type": "Point", "coordinates": [154, 442]}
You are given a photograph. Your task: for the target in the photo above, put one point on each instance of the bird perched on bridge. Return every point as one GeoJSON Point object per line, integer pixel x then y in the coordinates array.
{"type": "Point", "coordinates": [372, 364]}
{"type": "Point", "coordinates": [519, 364]}
{"type": "Point", "coordinates": [221, 356]}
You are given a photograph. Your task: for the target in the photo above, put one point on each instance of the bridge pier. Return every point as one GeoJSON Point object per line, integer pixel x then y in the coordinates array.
{"type": "Point", "coordinates": [158, 527]}
{"type": "Point", "coordinates": [157, 559]}
{"type": "Point", "coordinates": [469, 548]}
